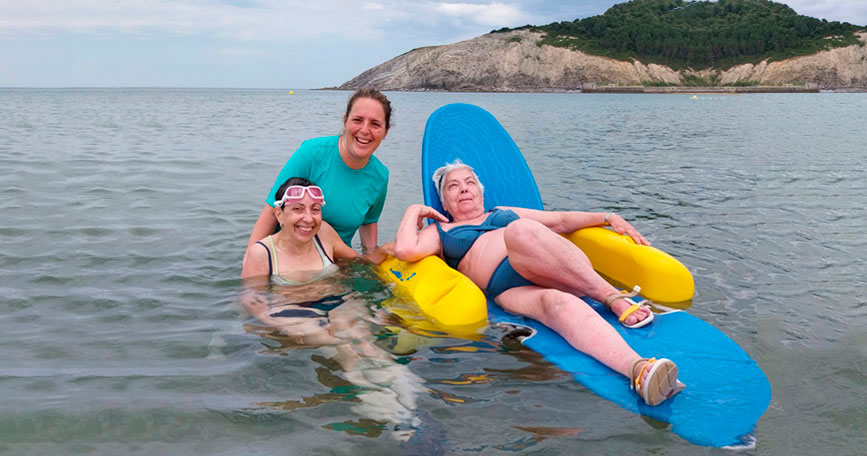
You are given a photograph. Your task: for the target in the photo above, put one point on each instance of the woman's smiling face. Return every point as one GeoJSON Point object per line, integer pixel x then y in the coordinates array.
{"type": "Point", "coordinates": [301, 218]}
{"type": "Point", "coordinates": [364, 128]}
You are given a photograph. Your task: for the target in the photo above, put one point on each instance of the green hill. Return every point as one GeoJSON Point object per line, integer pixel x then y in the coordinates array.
{"type": "Point", "coordinates": [699, 34]}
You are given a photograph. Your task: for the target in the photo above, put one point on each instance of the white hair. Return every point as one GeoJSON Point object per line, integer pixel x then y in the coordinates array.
{"type": "Point", "coordinates": [439, 176]}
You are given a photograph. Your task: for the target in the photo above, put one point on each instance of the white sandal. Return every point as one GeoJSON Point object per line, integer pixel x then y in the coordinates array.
{"type": "Point", "coordinates": [609, 300]}
{"type": "Point", "coordinates": [661, 382]}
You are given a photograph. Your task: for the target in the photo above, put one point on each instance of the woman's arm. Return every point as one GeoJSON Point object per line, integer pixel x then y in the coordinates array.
{"type": "Point", "coordinates": [255, 262]}
{"type": "Point", "coordinates": [413, 243]}
{"type": "Point", "coordinates": [559, 221]}
{"type": "Point", "coordinates": [369, 229]}
{"type": "Point", "coordinates": [328, 235]}
{"type": "Point", "coordinates": [562, 222]}
{"type": "Point", "coordinates": [369, 234]}
{"type": "Point", "coordinates": [304, 330]}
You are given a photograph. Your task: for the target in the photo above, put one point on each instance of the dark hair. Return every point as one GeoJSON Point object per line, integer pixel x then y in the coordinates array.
{"type": "Point", "coordinates": [373, 94]}
{"type": "Point", "coordinates": [290, 182]}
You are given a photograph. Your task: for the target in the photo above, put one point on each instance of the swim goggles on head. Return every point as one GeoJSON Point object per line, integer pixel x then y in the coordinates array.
{"type": "Point", "coordinates": [296, 192]}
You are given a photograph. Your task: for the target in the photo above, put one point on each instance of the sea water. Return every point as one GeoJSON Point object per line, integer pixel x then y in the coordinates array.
{"type": "Point", "coordinates": [124, 214]}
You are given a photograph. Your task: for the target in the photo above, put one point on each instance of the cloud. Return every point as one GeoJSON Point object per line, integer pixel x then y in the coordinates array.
{"type": "Point", "coordinates": [371, 6]}
{"type": "Point", "coordinates": [491, 14]}
{"type": "Point", "coordinates": [854, 11]}
{"type": "Point", "coordinates": [241, 52]}
{"type": "Point", "coordinates": [262, 20]}
{"type": "Point", "coordinates": [368, 27]}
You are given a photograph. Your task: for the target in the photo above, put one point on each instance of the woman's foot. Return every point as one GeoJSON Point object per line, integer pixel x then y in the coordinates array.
{"type": "Point", "coordinates": [655, 380]}
{"type": "Point", "coordinates": [631, 314]}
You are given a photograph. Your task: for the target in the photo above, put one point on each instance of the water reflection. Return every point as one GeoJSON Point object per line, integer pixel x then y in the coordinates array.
{"type": "Point", "coordinates": [341, 327]}
{"type": "Point", "coordinates": [361, 354]}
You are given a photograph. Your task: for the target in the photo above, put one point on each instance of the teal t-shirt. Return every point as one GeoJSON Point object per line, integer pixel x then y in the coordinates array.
{"type": "Point", "coordinates": [353, 197]}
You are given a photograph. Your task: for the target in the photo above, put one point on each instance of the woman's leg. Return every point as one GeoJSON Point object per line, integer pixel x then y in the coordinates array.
{"type": "Point", "coordinates": [589, 333]}
{"type": "Point", "coordinates": [348, 324]}
{"type": "Point", "coordinates": [573, 319]}
{"type": "Point", "coordinates": [550, 260]}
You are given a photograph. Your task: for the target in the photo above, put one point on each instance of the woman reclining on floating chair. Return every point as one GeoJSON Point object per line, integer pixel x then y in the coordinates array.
{"type": "Point", "coordinates": [517, 256]}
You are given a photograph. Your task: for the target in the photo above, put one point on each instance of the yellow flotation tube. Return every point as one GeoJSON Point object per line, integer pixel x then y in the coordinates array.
{"type": "Point", "coordinates": [661, 277]}
{"type": "Point", "coordinates": [453, 304]}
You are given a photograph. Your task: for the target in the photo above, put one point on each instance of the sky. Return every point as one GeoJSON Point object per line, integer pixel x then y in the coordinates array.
{"type": "Point", "coordinates": [262, 43]}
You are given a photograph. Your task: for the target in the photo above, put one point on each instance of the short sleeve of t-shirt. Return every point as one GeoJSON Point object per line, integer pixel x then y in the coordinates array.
{"type": "Point", "coordinates": [353, 197]}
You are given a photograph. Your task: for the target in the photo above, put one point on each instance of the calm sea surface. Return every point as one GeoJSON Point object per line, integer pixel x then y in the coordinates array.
{"type": "Point", "coordinates": [124, 214]}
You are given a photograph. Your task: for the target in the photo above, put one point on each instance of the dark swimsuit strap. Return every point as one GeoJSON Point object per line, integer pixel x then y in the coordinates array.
{"type": "Point", "coordinates": [439, 228]}
{"type": "Point", "coordinates": [322, 249]}
{"type": "Point", "coordinates": [270, 266]}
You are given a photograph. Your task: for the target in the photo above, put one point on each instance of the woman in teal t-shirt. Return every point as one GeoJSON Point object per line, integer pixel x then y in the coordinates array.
{"type": "Point", "coordinates": [344, 166]}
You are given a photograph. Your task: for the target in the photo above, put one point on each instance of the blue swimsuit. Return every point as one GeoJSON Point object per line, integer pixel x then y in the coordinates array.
{"type": "Point", "coordinates": [457, 242]}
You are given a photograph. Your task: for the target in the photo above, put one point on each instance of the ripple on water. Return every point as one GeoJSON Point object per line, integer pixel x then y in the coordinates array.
{"type": "Point", "coordinates": [119, 315]}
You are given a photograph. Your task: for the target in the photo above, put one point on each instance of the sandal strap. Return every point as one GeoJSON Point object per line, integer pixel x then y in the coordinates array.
{"type": "Point", "coordinates": [635, 382]}
{"type": "Point", "coordinates": [609, 300]}
{"type": "Point", "coordinates": [631, 310]}
{"type": "Point", "coordinates": [632, 372]}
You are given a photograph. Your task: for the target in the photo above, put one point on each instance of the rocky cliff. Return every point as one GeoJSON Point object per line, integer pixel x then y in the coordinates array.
{"type": "Point", "coordinates": [512, 61]}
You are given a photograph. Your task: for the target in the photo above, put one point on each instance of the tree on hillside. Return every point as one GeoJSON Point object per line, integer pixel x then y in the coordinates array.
{"type": "Point", "coordinates": [699, 34]}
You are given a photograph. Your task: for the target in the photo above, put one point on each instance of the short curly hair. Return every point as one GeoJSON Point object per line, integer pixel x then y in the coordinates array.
{"type": "Point", "coordinates": [439, 176]}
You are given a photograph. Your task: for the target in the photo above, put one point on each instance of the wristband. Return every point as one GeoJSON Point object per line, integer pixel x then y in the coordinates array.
{"type": "Point", "coordinates": [607, 216]}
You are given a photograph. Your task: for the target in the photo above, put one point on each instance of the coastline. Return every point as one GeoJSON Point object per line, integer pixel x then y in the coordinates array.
{"type": "Point", "coordinates": [514, 63]}
{"type": "Point", "coordinates": [636, 90]}
{"type": "Point", "coordinates": [806, 88]}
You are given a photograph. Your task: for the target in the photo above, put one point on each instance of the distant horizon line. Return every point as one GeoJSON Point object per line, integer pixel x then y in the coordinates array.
{"type": "Point", "coordinates": [166, 87]}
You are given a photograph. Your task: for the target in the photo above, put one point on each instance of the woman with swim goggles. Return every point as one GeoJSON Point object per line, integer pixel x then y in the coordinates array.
{"type": "Point", "coordinates": [297, 257]}
{"type": "Point", "coordinates": [303, 249]}
{"type": "Point", "coordinates": [345, 168]}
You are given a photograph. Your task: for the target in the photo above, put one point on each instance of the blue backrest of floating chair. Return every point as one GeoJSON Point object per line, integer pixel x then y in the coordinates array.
{"type": "Point", "coordinates": [472, 134]}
